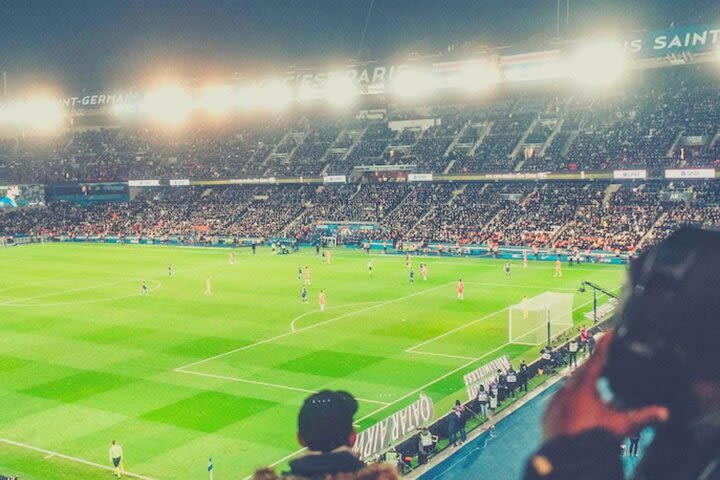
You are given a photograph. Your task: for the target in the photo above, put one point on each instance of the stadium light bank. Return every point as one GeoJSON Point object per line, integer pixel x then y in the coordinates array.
{"type": "Point", "coordinates": [39, 114]}
{"type": "Point", "coordinates": [597, 64]}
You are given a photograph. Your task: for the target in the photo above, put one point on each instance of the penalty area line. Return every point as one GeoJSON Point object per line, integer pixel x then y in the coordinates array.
{"type": "Point", "coordinates": [473, 322]}
{"type": "Point", "coordinates": [51, 454]}
{"type": "Point", "coordinates": [267, 384]}
{"type": "Point", "coordinates": [303, 315]}
{"type": "Point", "coordinates": [444, 355]}
{"type": "Point", "coordinates": [377, 304]}
{"type": "Point", "coordinates": [303, 329]}
{"type": "Point", "coordinates": [157, 286]}
{"type": "Point", "coordinates": [419, 389]}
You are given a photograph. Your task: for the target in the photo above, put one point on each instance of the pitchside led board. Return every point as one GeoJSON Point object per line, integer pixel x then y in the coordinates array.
{"type": "Point", "coordinates": [396, 428]}
{"type": "Point", "coordinates": [19, 196]}
{"type": "Point", "coordinates": [484, 375]}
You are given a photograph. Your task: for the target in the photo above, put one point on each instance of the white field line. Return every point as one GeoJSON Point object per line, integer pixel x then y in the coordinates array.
{"type": "Point", "coordinates": [515, 285]}
{"type": "Point", "coordinates": [157, 286]}
{"type": "Point", "coordinates": [465, 325]}
{"type": "Point", "coordinates": [60, 292]}
{"type": "Point", "coordinates": [531, 266]}
{"type": "Point", "coordinates": [446, 355]}
{"type": "Point", "coordinates": [442, 377]}
{"type": "Point", "coordinates": [15, 287]}
{"type": "Point", "coordinates": [475, 261]}
{"type": "Point", "coordinates": [51, 454]}
{"type": "Point", "coordinates": [292, 323]}
{"type": "Point", "coordinates": [272, 385]}
{"type": "Point", "coordinates": [314, 325]}
{"type": "Point", "coordinates": [456, 329]}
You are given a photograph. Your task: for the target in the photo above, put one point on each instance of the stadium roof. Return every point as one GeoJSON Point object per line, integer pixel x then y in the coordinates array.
{"type": "Point", "coordinates": [77, 44]}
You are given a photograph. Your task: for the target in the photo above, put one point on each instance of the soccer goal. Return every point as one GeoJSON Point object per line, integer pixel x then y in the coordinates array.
{"type": "Point", "coordinates": [534, 320]}
{"type": "Point", "coordinates": [330, 242]}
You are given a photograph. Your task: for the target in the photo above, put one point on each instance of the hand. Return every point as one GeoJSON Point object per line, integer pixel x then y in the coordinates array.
{"type": "Point", "coordinates": [577, 407]}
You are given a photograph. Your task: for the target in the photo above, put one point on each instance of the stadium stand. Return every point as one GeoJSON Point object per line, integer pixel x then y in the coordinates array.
{"type": "Point", "coordinates": [669, 118]}
{"type": "Point", "coordinates": [567, 215]}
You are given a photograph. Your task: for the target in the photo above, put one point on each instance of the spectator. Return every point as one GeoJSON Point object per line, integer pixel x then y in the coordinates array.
{"type": "Point", "coordinates": [634, 441]}
{"type": "Point", "coordinates": [325, 427]}
{"type": "Point", "coordinates": [371, 472]}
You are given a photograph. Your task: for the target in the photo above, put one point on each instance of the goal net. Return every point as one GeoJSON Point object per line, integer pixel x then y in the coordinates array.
{"type": "Point", "coordinates": [330, 242]}
{"type": "Point", "coordinates": [529, 320]}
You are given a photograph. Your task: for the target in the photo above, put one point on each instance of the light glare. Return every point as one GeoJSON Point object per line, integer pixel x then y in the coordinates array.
{"type": "Point", "coordinates": [413, 84]}
{"type": "Point", "coordinates": [170, 105]}
{"type": "Point", "coordinates": [478, 76]}
{"type": "Point", "coordinates": [40, 114]}
{"type": "Point", "coordinates": [340, 91]}
{"type": "Point", "coordinates": [275, 96]}
{"type": "Point", "coordinates": [216, 99]}
{"type": "Point", "coordinates": [598, 64]}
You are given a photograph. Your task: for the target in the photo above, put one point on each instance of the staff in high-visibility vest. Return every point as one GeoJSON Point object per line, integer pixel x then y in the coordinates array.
{"type": "Point", "coordinates": [511, 381]}
{"type": "Point", "coordinates": [483, 400]}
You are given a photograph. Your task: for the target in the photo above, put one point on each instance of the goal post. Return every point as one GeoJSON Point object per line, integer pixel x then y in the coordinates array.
{"type": "Point", "coordinates": [330, 242]}
{"type": "Point", "coordinates": [535, 320]}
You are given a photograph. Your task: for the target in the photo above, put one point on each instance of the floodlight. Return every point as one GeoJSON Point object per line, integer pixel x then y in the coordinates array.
{"type": "Point", "coordinates": [598, 64]}
{"type": "Point", "coordinates": [247, 98]}
{"type": "Point", "coordinates": [5, 114]}
{"type": "Point", "coordinates": [340, 90]}
{"type": "Point", "coordinates": [413, 83]}
{"type": "Point", "coordinates": [125, 109]}
{"type": "Point", "coordinates": [275, 96]}
{"type": "Point", "coordinates": [44, 114]}
{"type": "Point", "coordinates": [37, 113]}
{"type": "Point", "coordinates": [216, 99]}
{"type": "Point", "coordinates": [477, 76]}
{"type": "Point", "coordinates": [308, 93]}
{"type": "Point", "coordinates": [538, 70]}
{"type": "Point", "coordinates": [170, 105]}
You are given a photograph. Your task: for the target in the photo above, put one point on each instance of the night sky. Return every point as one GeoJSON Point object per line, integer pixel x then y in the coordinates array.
{"type": "Point", "coordinates": [74, 44]}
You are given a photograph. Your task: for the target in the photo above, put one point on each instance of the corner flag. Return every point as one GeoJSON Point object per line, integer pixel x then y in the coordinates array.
{"type": "Point", "coordinates": [210, 468]}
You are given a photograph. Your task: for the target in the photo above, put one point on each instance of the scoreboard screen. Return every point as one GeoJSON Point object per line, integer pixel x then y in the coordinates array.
{"type": "Point", "coordinates": [19, 196]}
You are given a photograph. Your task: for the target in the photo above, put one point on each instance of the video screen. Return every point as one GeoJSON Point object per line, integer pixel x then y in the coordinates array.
{"type": "Point", "coordinates": [20, 196]}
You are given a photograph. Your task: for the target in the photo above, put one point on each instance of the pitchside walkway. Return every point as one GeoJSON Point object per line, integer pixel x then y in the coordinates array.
{"type": "Point", "coordinates": [503, 456]}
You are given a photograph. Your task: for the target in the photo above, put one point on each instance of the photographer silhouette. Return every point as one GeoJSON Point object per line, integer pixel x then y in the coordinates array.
{"type": "Point", "coordinates": [661, 365]}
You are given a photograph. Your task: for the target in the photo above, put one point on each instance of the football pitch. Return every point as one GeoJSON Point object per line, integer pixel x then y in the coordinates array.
{"type": "Point", "coordinates": [178, 376]}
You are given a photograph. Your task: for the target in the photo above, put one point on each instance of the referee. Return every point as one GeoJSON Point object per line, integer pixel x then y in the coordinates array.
{"type": "Point", "coordinates": [116, 458]}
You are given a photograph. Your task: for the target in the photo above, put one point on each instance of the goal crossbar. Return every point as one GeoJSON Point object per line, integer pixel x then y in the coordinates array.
{"type": "Point", "coordinates": [544, 317]}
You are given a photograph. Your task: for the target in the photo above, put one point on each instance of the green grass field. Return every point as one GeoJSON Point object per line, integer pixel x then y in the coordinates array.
{"type": "Point", "coordinates": [177, 376]}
